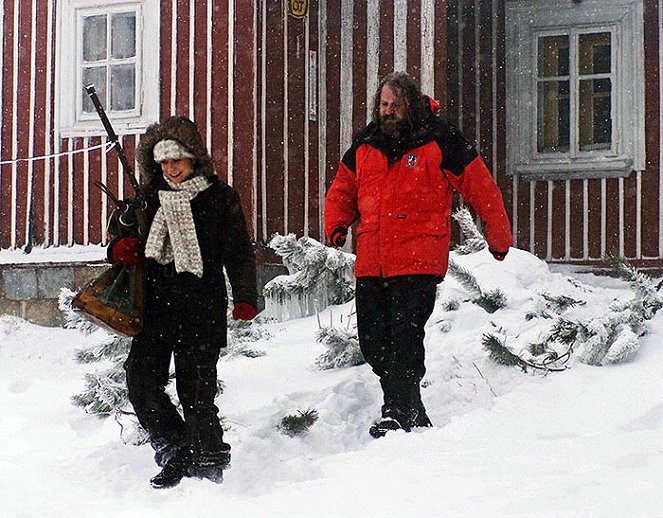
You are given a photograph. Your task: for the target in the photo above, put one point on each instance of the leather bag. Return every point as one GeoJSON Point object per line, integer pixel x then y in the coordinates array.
{"type": "Point", "coordinates": [114, 300]}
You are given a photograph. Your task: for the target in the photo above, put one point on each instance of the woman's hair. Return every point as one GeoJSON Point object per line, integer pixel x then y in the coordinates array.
{"type": "Point", "coordinates": [408, 92]}
{"type": "Point", "coordinates": [183, 131]}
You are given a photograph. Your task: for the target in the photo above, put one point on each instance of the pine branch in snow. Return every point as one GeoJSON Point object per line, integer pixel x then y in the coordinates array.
{"type": "Point", "coordinates": [625, 344]}
{"type": "Point", "coordinates": [105, 392]}
{"type": "Point", "coordinates": [112, 347]}
{"type": "Point", "coordinates": [450, 305]}
{"type": "Point", "coordinates": [473, 240]}
{"type": "Point", "coordinates": [465, 278]}
{"type": "Point", "coordinates": [614, 337]}
{"type": "Point", "coordinates": [498, 352]}
{"type": "Point", "coordinates": [490, 301]}
{"type": "Point", "coordinates": [560, 303]}
{"type": "Point", "coordinates": [298, 424]}
{"type": "Point", "coordinates": [646, 290]}
{"type": "Point", "coordinates": [342, 349]}
{"type": "Point", "coordinates": [73, 320]}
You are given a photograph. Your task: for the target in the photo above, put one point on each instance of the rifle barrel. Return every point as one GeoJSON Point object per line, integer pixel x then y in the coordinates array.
{"type": "Point", "coordinates": [112, 135]}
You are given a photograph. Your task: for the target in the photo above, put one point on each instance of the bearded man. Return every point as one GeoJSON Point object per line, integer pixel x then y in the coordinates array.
{"type": "Point", "coordinates": [397, 181]}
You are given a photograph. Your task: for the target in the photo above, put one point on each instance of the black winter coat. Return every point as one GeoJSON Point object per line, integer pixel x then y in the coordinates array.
{"type": "Point", "coordinates": [196, 307]}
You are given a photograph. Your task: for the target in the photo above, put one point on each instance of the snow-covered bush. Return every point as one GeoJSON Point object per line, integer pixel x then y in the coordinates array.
{"type": "Point", "coordinates": [318, 276]}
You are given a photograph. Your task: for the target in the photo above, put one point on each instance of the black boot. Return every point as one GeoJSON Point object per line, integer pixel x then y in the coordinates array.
{"type": "Point", "coordinates": [209, 466]}
{"type": "Point", "coordinates": [175, 468]}
{"type": "Point", "coordinates": [393, 418]}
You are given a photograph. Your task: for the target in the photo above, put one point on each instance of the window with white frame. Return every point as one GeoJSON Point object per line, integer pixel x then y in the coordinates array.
{"type": "Point", "coordinates": [115, 46]}
{"type": "Point", "coordinates": [575, 95]}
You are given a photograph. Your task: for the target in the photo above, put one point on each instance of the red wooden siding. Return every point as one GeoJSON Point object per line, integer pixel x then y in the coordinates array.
{"type": "Point", "coordinates": [240, 69]}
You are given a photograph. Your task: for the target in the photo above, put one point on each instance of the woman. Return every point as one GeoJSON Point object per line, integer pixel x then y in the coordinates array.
{"type": "Point", "coordinates": [196, 228]}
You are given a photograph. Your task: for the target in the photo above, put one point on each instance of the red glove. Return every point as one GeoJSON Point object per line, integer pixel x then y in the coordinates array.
{"type": "Point", "coordinates": [128, 250]}
{"type": "Point", "coordinates": [498, 255]}
{"type": "Point", "coordinates": [244, 311]}
{"type": "Point", "coordinates": [338, 236]}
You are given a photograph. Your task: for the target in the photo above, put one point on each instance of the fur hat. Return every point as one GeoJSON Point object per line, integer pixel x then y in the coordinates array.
{"type": "Point", "coordinates": [185, 133]}
{"type": "Point", "coordinates": [168, 149]}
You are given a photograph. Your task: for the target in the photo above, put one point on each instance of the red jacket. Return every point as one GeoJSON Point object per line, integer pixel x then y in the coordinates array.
{"type": "Point", "coordinates": [402, 194]}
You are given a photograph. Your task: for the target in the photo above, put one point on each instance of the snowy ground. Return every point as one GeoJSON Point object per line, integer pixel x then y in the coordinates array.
{"type": "Point", "coordinates": [586, 442]}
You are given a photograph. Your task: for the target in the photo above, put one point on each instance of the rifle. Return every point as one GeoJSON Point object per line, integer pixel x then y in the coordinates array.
{"type": "Point", "coordinates": [128, 218]}
{"type": "Point", "coordinates": [115, 300]}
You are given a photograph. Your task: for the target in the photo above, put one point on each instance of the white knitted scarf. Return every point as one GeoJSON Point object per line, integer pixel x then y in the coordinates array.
{"type": "Point", "coordinates": [173, 233]}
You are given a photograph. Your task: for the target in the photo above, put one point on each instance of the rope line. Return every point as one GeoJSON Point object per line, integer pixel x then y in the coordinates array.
{"type": "Point", "coordinates": [107, 145]}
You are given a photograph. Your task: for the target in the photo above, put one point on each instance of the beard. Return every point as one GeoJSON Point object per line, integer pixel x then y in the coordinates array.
{"type": "Point", "coordinates": [393, 127]}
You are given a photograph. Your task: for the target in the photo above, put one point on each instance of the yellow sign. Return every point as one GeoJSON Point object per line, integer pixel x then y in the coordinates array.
{"type": "Point", "coordinates": [298, 8]}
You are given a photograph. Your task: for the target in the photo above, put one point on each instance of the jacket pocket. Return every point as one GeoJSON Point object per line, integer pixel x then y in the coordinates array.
{"type": "Point", "coordinates": [423, 223]}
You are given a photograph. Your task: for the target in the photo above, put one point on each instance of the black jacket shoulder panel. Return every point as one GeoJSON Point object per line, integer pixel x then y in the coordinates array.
{"type": "Point", "coordinates": [362, 136]}
{"type": "Point", "coordinates": [457, 152]}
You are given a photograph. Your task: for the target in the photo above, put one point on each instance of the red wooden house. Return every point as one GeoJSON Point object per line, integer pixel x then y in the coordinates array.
{"type": "Point", "coordinates": [562, 98]}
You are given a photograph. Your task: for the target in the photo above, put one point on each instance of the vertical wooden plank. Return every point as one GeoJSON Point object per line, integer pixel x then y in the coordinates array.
{"type": "Point", "coordinates": [558, 222]}
{"type": "Point", "coordinates": [274, 118]}
{"type": "Point", "coordinates": [540, 210]}
{"type": "Point", "coordinates": [333, 75]}
{"type": "Point", "coordinates": [577, 210]}
{"type": "Point", "coordinates": [199, 72]}
{"type": "Point", "coordinates": [244, 103]}
{"type": "Point", "coordinates": [611, 202]}
{"type": "Point", "coordinates": [593, 209]}
{"type": "Point", "coordinates": [453, 64]}
{"type": "Point", "coordinates": [96, 223]}
{"type": "Point", "coordinates": [219, 106]}
{"type": "Point", "coordinates": [651, 216]}
{"type": "Point", "coordinates": [468, 66]}
{"type": "Point", "coordinates": [386, 65]}
{"type": "Point", "coordinates": [630, 215]}
{"type": "Point", "coordinates": [316, 197]}
{"type": "Point", "coordinates": [440, 58]}
{"type": "Point", "coordinates": [413, 39]}
{"type": "Point", "coordinates": [359, 63]}
{"type": "Point", "coordinates": [165, 58]}
{"type": "Point", "coordinates": [22, 124]}
{"type": "Point", "coordinates": [296, 117]}
{"type": "Point", "coordinates": [485, 87]}
{"type": "Point", "coordinates": [182, 105]}
{"type": "Point", "coordinates": [523, 211]}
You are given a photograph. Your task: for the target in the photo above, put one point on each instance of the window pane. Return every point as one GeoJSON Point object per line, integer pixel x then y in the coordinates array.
{"type": "Point", "coordinates": [123, 87]}
{"type": "Point", "coordinates": [123, 35]}
{"type": "Point", "coordinates": [553, 117]}
{"type": "Point", "coordinates": [594, 53]}
{"type": "Point", "coordinates": [97, 76]}
{"type": "Point", "coordinates": [595, 117]}
{"type": "Point", "coordinates": [94, 38]}
{"type": "Point", "coordinates": [553, 59]}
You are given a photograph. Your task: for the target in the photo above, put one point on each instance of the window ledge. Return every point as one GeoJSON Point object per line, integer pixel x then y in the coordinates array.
{"type": "Point", "coordinates": [97, 130]}
{"type": "Point", "coordinates": [575, 169]}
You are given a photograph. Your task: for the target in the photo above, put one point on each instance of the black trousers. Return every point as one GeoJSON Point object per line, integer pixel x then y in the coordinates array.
{"type": "Point", "coordinates": [147, 369]}
{"type": "Point", "coordinates": [391, 314]}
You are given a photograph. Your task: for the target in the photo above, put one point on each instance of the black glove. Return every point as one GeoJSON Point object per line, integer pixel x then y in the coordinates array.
{"type": "Point", "coordinates": [338, 236]}
{"type": "Point", "coordinates": [498, 255]}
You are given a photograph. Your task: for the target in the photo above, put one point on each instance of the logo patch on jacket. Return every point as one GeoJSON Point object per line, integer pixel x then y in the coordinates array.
{"type": "Point", "coordinates": [412, 160]}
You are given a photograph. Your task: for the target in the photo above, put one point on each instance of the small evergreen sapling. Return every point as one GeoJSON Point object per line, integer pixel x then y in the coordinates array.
{"type": "Point", "coordinates": [293, 425]}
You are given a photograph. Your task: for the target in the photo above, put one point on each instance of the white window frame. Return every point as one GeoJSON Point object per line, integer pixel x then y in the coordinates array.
{"type": "Point", "coordinates": [71, 120]}
{"type": "Point", "coordinates": [526, 21]}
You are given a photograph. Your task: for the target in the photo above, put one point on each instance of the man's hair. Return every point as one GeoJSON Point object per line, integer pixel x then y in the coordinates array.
{"type": "Point", "coordinates": [408, 92]}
